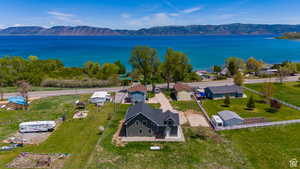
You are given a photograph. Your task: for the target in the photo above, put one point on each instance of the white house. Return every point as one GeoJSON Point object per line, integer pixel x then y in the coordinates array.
{"type": "Point", "coordinates": [100, 97]}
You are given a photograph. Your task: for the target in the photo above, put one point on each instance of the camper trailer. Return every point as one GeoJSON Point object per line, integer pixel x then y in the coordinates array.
{"type": "Point", "coordinates": [37, 126]}
{"type": "Point", "coordinates": [100, 97]}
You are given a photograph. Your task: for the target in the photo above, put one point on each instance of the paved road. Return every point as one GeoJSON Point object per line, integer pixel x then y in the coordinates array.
{"type": "Point", "coordinates": [41, 94]}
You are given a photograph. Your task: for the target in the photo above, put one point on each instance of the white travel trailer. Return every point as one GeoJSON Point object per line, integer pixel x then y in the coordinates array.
{"type": "Point", "coordinates": [100, 97]}
{"type": "Point", "coordinates": [217, 121]}
{"type": "Point", "coordinates": [37, 126]}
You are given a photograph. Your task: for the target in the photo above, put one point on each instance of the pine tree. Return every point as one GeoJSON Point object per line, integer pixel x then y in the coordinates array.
{"type": "Point", "coordinates": [227, 101]}
{"type": "Point", "coordinates": [251, 103]}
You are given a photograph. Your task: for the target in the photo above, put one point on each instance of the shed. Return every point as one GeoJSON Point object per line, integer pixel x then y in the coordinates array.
{"type": "Point", "coordinates": [230, 118]}
{"type": "Point", "coordinates": [219, 92]}
{"type": "Point", "coordinates": [183, 91]}
{"type": "Point", "coordinates": [17, 100]}
{"type": "Point", "coordinates": [137, 93]}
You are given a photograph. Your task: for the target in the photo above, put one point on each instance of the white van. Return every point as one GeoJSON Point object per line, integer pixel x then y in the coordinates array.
{"type": "Point", "coordinates": [37, 126]}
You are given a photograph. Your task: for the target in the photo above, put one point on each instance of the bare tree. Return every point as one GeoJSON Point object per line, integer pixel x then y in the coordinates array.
{"type": "Point", "coordinates": [1, 91]}
{"type": "Point", "coordinates": [24, 88]}
{"type": "Point", "coordinates": [283, 72]}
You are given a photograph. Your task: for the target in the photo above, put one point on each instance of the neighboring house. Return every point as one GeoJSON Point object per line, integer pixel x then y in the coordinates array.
{"type": "Point", "coordinates": [267, 72]}
{"type": "Point", "coordinates": [224, 71]}
{"type": "Point", "coordinates": [137, 93]}
{"type": "Point", "coordinates": [230, 118]}
{"type": "Point", "coordinates": [141, 120]}
{"type": "Point", "coordinates": [100, 97]}
{"type": "Point", "coordinates": [183, 91]}
{"type": "Point", "coordinates": [219, 92]}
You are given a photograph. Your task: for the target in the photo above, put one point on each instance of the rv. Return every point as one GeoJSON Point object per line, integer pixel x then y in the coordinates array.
{"type": "Point", "coordinates": [37, 126]}
{"type": "Point", "coordinates": [100, 97]}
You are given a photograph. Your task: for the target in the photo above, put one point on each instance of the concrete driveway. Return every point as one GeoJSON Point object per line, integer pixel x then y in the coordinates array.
{"type": "Point", "coordinates": [165, 105]}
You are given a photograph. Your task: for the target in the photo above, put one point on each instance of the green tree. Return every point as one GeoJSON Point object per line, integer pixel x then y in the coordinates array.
{"type": "Point", "coordinates": [108, 70]}
{"type": "Point", "coordinates": [33, 58]}
{"type": "Point", "coordinates": [238, 79]}
{"type": "Point", "coordinates": [216, 69]}
{"type": "Point", "coordinates": [233, 65]}
{"type": "Point", "coordinates": [167, 67]}
{"type": "Point", "coordinates": [251, 103]}
{"type": "Point", "coordinates": [91, 68]}
{"type": "Point", "coordinates": [176, 67]}
{"type": "Point", "coordinates": [122, 68]}
{"type": "Point", "coordinates": [142, 59]}
{"type": "Point", "coordinates": [253, 65]}
{"type": "Point", "coordinates": [227, 101]}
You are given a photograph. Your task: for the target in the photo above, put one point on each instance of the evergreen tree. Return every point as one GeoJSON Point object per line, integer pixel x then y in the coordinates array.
{"type": "Point", "coordinates": [227, 101]}
{"type": "Point", "coordinates": [251, 103]}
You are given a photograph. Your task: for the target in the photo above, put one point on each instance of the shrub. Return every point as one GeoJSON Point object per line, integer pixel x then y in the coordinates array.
{"type": "Point", "coordinates": [89, 83]}
{"type": "Point", "coordinates": [275, 105]}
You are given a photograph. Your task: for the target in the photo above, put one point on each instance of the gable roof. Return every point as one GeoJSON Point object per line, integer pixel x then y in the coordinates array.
{"type": "Point", "coordinates": [155, 115]}
{"type": "Point", "coordinates": [182, 87]}
{"type": "Point", "coordinates": [139, 88]}
{"type": "Point", "coordinates": [226, 89]}
{"type": "Point", "coordinates": [228, 115]}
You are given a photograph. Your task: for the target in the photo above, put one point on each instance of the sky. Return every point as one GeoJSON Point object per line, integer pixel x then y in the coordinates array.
{"type": "Point", "coordinates": [136, 14]}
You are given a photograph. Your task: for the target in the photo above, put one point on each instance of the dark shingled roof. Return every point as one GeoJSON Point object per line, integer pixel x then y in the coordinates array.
{"type": "Point", "coordinates": [140, 88]}
{"type": "Point", "coordinates": [155, 115]}
{"type": "Point", "coordinates": [182, 87]}
{"type": "Point", "coordinates": [226, 89]}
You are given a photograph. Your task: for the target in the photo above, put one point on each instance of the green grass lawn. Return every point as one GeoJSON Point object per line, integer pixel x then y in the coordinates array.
{"type": "Point", "coordinates": [15, 89]}
{"type": "Point", "coordinates": [289, 91]}
{"type": "Point", "coordinates": [74, 136]}
{"type": "Point", "coordinates": [185, 105]}
{"type": "Point", "coordinates": [269, 147]}
{"type": "Point", "coordinates": [261, 110]}
{"type": "Point", "coordinates": [194, 153]}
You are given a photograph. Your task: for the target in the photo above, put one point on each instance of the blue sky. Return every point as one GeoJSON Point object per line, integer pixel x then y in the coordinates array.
{"type": "Point", "coordinates": [135, 14]}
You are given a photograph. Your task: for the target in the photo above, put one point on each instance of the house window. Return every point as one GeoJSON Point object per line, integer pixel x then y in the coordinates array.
{"type": "Point", "coordinates": [149, 130]}
{"type": "Point", "coordinates": [169, 122]}
{"type": "Point", "coordinates": [141, 131]}
{"type": "Point", "coordinates": [137, 123]}
{"type": "Point", "coordinates": [165, 122]}
{"type": "Point", "coordinates": [144, 123]}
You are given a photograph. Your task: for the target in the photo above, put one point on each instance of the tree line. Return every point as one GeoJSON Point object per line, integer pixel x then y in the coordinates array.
{"type": "Point", "coordinates": [36, 71]}
{"type": "Point", "coordinates": [173, 68]}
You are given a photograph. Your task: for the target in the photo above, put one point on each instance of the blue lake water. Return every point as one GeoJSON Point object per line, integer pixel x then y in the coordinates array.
{"type": "Point", "coordinates": [203, 51]}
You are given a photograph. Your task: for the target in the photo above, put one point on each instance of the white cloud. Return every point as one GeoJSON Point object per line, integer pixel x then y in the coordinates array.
{"type": "Point", "coordinates": [191, 10]}
{"type": "Point", "coordinates": [125, 15]}
{"type": "Point", "coordinates": [2, 26]}
{"type": "Point", "coordinates": [64, 18]}
{"type": "Point", "coordinates": [174, 14]}
{"type": "Point", "coordinates": [157, 19]}
{"type": "Point", "coordinates": [16, 25]}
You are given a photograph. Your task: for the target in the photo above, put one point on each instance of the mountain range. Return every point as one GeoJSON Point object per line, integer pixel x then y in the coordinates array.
{"type": "Point", "coordinates": [226, 29]}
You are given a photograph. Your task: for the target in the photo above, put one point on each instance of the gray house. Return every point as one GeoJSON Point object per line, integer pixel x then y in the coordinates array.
{"type": "Point", "coordinates": [219, 92]}
{"type": "Point", "coordinates": [230, 118]}
{"type": "Point", "coordinates": [141, 120]}
{"type": "Point", "coordinates": [137, 93]}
